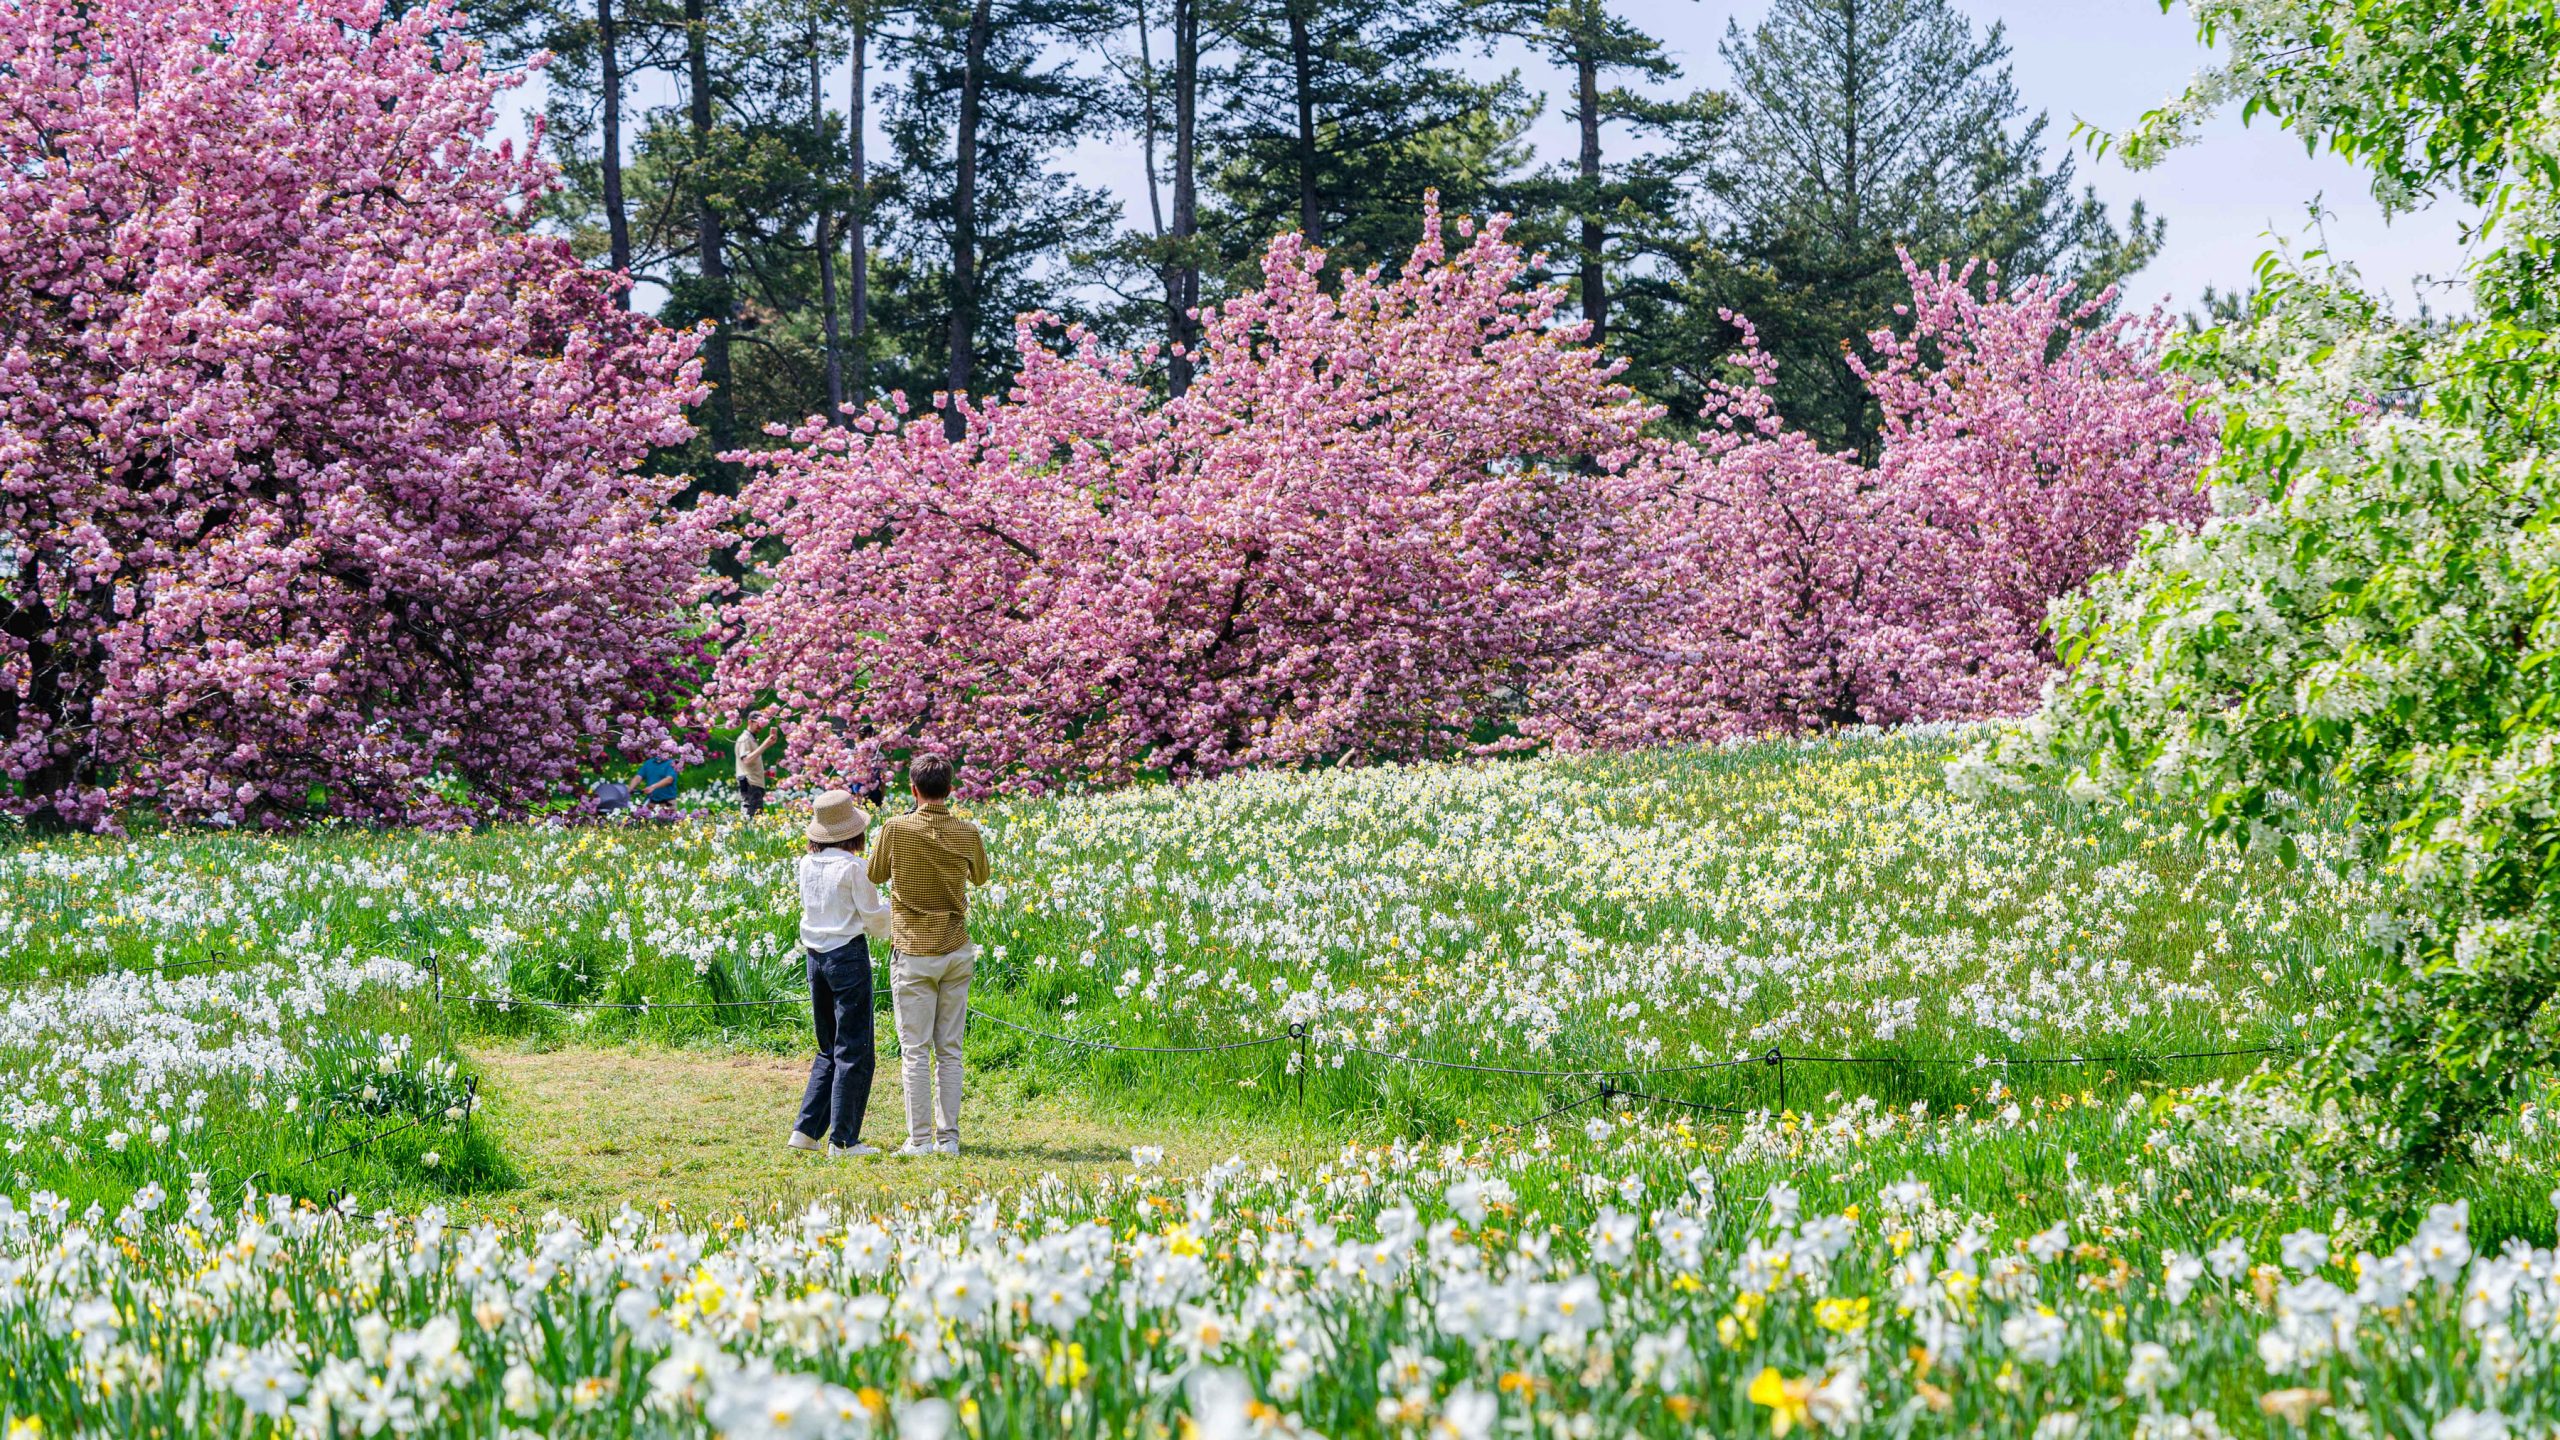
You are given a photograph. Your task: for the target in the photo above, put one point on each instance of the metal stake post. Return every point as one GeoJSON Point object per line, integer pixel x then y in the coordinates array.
{"type": "Point", "coordinates": [444, 1022]}
{"type": "Point", "coordinates": [1778, 1058]}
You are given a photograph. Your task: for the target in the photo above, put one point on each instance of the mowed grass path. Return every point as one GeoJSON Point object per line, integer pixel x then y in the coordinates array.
{"type": "Point", "coordinates": [588, 1128]}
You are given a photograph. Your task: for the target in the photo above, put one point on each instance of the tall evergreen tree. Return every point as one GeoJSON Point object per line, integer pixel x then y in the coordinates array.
{"type": "Point", "coordinates": [862, 21]}
{"type": "Point", "coordinates": [759, 170]}
{"type": "Point", "coordinates": [1607, 213]}
{"type": "Point", "coordinates": [986, 218]}
{"type": "Point", "coordinates": [1860, 126]}
{"type": "Point", "coordinates": [1182, 261]}
{"type": "Point", "coordinates": [1166, 116]}
{"type": "Point", "coordinates": [1334, 116]}
{"type": "Point", "coordinates": [599, 50]}
{"type": "Point", "coordinates": [1582, 38]}
{"type": "Point", "coordinates": [708, 295]}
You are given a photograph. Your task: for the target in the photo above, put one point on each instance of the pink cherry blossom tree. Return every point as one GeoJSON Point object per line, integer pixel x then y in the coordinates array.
{"type": "Point", "coordinates": [318, 471]}
{"type": "Point", "coordinates": [2027, 443]}
{"type": "Point", "coordinates": [1362, 531]}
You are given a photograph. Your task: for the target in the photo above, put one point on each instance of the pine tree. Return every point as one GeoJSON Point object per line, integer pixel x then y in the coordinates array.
{"type": "Point", "coordinates": [1860, 126]}
{"type": "Point", "coordinates": [1584, 39]}
{"type": "Point", "coordinates": [1156, 272]}
{"type": "Point", "coordinates": [1333, 117]}
{"type": "Point", "coordinates": [598, 49]}
{"type": "Point", "coordinates": [983, 218]}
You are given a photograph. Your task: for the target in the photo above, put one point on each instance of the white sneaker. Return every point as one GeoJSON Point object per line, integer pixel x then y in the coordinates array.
{"type": "Point", "coordinates": [799, 1141]}
{"type": "Point", "coordinates": [915, 1150]}
{"type": "Point", "coordinates": [838, 1152]}
{"type": "Point", "coordinates": [948, 1147]}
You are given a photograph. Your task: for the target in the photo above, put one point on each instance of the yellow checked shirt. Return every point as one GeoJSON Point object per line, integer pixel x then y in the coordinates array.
{"type": "Point", "coordinates": [929, 858]}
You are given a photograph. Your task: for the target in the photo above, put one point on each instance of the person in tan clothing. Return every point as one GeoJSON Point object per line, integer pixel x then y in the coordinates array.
{"type": "Point", "coordinates": [929, 858]}
{"type": "Point", "coordinates": [749, 752]}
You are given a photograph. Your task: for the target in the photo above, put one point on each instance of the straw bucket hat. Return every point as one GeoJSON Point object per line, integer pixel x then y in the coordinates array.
{"type": "Point", "coordinates": [835, 818]}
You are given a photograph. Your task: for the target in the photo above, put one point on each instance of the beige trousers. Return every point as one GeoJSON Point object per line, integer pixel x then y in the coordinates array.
{"type": "Point", "coordinates": [931, 996]}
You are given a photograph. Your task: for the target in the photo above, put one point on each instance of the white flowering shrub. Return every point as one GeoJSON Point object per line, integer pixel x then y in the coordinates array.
{"type": "Point", "coordinates": [2365, 633]}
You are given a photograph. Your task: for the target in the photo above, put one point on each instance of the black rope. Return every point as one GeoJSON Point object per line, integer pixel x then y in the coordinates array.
{"type": "Point", "coordinates": [649, 1005]}
{"type": "Point", "coordinates": [1551, 1114]}
{"type": "Point", "coordinates": [378, 1135]}
{"type": "Point", "coordinates": [506, 1001]}
{"type": "Point", "coordinates": [1987, 1061]}
{"type": "Point", "coordinates": [1280, 1039]}
{"type": "Point", "coordinates": [1692, 1069]}
{"type": "Point", "coordinates": [357, 1144]}
{"type": "Point", "coordinates": [1690, 1104]}
{"type": "Point", "coordinates": [161, 971]}
{"type": "Point", "coordinates": [1591, 1074]}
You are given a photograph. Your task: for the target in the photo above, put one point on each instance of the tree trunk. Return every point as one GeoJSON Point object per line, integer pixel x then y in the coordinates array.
{"type": "Point", "coordinates": [964, 218]}
{"type": "Point", "coordinates": [617, 222]}
{"type": "Point", "coordinates": [854, 221]}
{"type": "Point", "coordinates": [1182, 277]}
{"type": "Point", "coordinates": [1851, 98]}
{"type": "Point", "coordinates": [1595, 279]}
{"type": "Point", "coordinates": [1150, 121]}
{"type": "Point", "coordinates": [826, 241]}
{"type": "Point", "coordinates": [1861, 436]}
{"type": "Point", "coordinates": [710, 239]}
{"type": "Point", "coordinates": [53, 698]}
{"type": "Point", "coordinates": [1302, 61]}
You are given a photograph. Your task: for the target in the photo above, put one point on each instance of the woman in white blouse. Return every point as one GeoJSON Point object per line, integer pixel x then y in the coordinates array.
{"type": "Point", "coordinates": [841, 915]}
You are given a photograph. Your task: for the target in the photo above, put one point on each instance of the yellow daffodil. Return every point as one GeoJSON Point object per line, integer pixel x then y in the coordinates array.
{"type": "Point", "coordinates": [1788, 1401]}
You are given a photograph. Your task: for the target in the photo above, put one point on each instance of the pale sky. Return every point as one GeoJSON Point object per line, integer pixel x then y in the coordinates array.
{"type": "Point", "coordinates": [2103, 61]}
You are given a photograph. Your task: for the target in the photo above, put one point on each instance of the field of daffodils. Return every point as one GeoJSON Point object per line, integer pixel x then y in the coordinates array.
{"type": "Point", "coordinates": [2020, 1181]}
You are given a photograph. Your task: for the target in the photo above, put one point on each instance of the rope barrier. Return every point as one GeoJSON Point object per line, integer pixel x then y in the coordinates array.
{"type": "Point", "coordinates": [1591, 1074]}
{"type": "Point", "coordinates": [1281, 1039]}
{"type": "Point", "coordinates": [363, 1141]}
{"type": "Point", "coordinates": [154, 971]}
{"type": "Point", "coordinates": [1985, 1062]}
{"type": "Point", "coordinates": [1674, 1100]}
{"type": "Point", "coordinates": [1773, 1057]}
{"type": "Point", "coordinates": [1551, 1114]}
{"type": "Point", "coordinates": [1298, 1033]}
{"type": "Point", "coordinates": [505, 1002]}
{"type": "Point", "coordinates": [1693, 1069]}
{"type": "Point", "coordinates": [353, 1145]}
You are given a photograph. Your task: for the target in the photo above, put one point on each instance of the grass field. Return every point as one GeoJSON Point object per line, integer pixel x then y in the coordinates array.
{"type": "Point", "coordinates": [1633, 914]}
{"type": "Point", "coordinates": [1998, 1018]}
{"type": "Point", "coordinates": [588, 1127]}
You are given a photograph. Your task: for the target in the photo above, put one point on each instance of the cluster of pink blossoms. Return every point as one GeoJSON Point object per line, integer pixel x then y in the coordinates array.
{"type": "Point", "coordinates": [2027, 442]}
{"type": "Point", "coordinates": [321, 487]}
{"type": "Point", "coordinates": [319, 483]}
{"type": "Point", "coordinates": [1357, 533]}
{"type": "Point", "coordinates": [1420, 515]}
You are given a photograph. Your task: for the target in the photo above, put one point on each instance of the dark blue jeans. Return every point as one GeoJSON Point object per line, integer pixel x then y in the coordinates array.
{"type": "Point", "coordinates": [840, 1078]}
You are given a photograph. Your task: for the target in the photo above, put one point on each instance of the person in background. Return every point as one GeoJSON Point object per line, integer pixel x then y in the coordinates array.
{"type": "Point", "coordinates": [749, 752]}
{"type": "Point", "coordinates": [929, 858]}
{"type": "Point", "coordinates": [656, 784]}
{"type": "Point", "coordinates": [840, 916]}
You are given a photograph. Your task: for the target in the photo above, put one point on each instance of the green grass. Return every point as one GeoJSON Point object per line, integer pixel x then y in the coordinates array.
{"type": "Point", "coordinates": [1635, 915]}
{"type": "Point", "coordinates": [1631, 917]}
{"type": "Point", "coordinates": [702, 1129]}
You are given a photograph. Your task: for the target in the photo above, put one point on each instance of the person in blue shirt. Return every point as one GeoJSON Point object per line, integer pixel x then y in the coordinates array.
{"type": "Point", "coordinates": [657, 783]}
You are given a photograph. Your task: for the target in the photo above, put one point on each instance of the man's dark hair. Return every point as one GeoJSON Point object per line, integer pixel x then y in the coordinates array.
{"type": "Point", "coordinates": [931, 775]}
